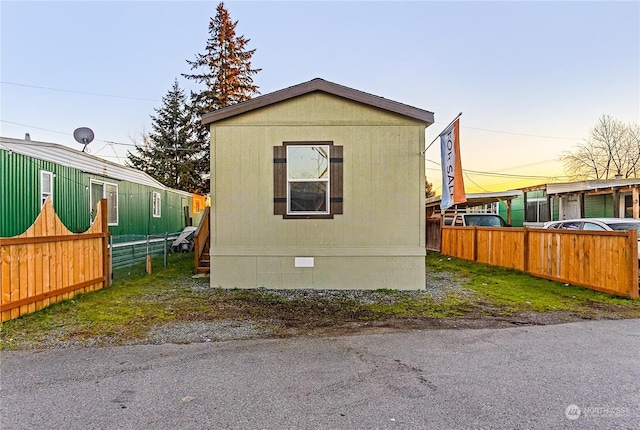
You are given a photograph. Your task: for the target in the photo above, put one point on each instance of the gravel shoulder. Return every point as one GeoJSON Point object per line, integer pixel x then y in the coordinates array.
{"type": "Point", "coordinates": [439, 286]}
{"type": "Point", "coordinates": [201, 314]}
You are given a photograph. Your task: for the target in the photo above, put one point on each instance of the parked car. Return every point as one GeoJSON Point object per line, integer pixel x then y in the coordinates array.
{"type": "Point", "coordinates": [476, 219]}
{"type": "Point", "coordinates": [598, 224]}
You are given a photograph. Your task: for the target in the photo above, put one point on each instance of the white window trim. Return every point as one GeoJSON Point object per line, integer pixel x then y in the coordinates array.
{"type": "Point", "coordinates": [104, 192]}
{"type": "Point", "coordinates": [327, 210]}
{"type": "Point", "coordinates": [44, 195]}
{"type": "Point", "coordinates": [156, 208]}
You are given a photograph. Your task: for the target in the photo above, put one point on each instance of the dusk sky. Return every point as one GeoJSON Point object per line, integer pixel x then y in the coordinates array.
{"type": "Point", "coordinates": [531, 78]}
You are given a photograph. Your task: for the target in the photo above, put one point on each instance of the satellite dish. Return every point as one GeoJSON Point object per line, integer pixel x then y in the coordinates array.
{"type": "Point", "coordinates": [83, 135]}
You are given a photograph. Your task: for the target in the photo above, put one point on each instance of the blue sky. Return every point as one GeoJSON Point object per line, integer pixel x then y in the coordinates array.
{"type": "Point", "coordinates": [531, 78]}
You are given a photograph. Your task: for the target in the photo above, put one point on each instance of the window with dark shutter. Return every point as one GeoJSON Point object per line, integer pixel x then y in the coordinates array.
{"type": "Point", "coordinates": [279, 180]}
{"type": "Point", "coordinates": [335, 164]}
{"type": "Point", "coordinates": [307, 180]}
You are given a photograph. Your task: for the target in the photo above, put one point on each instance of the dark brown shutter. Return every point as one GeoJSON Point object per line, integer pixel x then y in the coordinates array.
{"type": "Point", "coordinates": [335, 176]}
{"type": "Point", "coordinates": [279, 180]}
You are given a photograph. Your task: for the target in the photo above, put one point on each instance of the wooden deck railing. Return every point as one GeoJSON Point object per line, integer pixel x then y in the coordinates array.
{"type": "Point", "coordinates": [201, 241]}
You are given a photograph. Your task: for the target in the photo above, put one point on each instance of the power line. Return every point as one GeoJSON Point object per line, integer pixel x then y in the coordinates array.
{"type": "Point", "coordinates": [33, 126]}
{"type": "Point", "coordinates": [62, 132]}
{"type": "Point", "coordinates": [494, 174]}
{"type": "Point", "coordinates": [515, 133]}
{"type": "Point", "coordinates": [78, 92]}
{"type": "Point", "coordinates": [507, 175]}
{"type": "Point", "coordinates": [522, 134]}
{"type": "Point", "coordinates": [156, 100]}
{"type": "Point", "coordinates": [109, 142]}
{"type": "Point", "coordinates": [501, 175]}
{"type": "Point", "coordinates": [475, 183]}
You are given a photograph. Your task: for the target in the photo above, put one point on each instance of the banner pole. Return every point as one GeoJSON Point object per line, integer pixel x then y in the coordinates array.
{"type": "Point", "coordinates": [443, 130]}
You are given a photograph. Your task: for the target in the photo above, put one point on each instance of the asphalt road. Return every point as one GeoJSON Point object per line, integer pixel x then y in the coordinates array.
{"type": "Point", "coordinates": [581, 375]}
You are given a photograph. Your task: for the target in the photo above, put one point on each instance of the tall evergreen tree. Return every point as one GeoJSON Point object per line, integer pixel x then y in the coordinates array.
{"type": "Point", "coordinates": [224, 68]}
{"type": "Point", "coordinates": [170, 153]}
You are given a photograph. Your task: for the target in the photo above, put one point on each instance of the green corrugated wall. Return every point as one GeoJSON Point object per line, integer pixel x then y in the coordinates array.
{"type": "Point", "coordinates": [20, 199]}
{"type": "Point", "coordinates": [517, 211]}
{"type": "Point", "coordinates": [598, 206]}
{"type": "Point", "coordinates": [20, 194]}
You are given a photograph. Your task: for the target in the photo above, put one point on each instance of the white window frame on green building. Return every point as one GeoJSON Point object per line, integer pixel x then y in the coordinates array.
{"type": "Point", "coordinates": [46, 191]}
{"type": "Point", "coordinates": [156, 205]}
{"type": "Point", "coordinates": [109, 192]}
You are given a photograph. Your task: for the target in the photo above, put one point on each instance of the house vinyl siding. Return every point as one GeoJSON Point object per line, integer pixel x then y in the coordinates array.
{"type": "Point", "coordinates": [378, 239]}
{"type": "Point", "coordinates": [243, 200]}
{"type": "Point", "coordinates": [311, 109]}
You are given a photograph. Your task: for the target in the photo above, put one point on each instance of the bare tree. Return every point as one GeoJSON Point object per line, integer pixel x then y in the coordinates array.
{"type": "Point", "coordinates": [612, 150]}
{"type": "Point", "coordinates": [632, 142]}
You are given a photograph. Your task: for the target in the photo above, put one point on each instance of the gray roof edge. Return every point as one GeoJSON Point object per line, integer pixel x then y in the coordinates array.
{"type": "Point", "coordinates": [319, 84]}
{"type": "Point", "coordinates": [591, 185]}
{"type": "Point", "coordinates": [489, 194]}
{"type": "Point", "coordinates": [20, 143]}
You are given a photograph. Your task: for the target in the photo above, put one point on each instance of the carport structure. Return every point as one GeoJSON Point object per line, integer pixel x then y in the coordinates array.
{"type": "Point", "coordinates": [474, 200]}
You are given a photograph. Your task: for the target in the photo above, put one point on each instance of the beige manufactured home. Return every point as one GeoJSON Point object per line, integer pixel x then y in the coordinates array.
{"type": "Point", "coordinates": [318, 186]}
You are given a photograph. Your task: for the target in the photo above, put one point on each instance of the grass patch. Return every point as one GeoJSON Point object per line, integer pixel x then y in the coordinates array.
{"type": "Point", "coordinates": [514, 291]}
{"type": "Point", "coordinates": [127, 308]}
{"type": "Point", "coordinates": [126, 311]}
{"type": "Point", "coordinates": [423, 307]}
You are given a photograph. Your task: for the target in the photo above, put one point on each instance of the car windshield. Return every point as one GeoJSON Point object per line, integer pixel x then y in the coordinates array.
{"type": "Point", "coordinates": [485, 221]}
{"type": "Point", "coordinates": [626, 226]}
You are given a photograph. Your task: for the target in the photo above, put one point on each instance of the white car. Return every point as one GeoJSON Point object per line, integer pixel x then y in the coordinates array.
{"type": "Point", "coordinates": [598, 224]}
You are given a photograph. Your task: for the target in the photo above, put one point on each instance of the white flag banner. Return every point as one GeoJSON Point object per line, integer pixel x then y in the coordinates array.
{"type": "Point", "coordinates": [452, 182]}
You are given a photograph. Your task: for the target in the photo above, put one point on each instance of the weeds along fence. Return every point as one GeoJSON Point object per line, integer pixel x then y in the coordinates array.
{"type": "Point", "coordinates": [605, 261]}
{"type": "Point", "coordinates": [48, 263]}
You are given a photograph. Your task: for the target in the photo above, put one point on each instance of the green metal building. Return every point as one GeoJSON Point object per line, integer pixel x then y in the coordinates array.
{"type": "Point", "coordinates": [617, 198]}
{"type": "Point", "coordinates": [139, 206]}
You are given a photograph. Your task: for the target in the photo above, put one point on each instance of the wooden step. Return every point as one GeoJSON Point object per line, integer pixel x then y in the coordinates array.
{"type": "Point", "coordinates": [204, 264]}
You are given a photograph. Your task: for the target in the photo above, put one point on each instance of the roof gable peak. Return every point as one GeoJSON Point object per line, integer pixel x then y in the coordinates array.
{"type": "Point", "coordinates": [319, 84]}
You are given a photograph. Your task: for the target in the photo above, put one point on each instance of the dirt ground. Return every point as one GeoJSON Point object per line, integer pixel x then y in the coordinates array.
{"type": "Point", "coordinates": [200, 313]}
{"type": "Point", "coordinates": [331, 313]}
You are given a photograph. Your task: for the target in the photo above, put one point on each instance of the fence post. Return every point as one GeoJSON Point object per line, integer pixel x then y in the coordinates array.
{"type": "Point", "coordinates": [104, 221]}
{"type": "Point", "coordinates": [474, 250]}
{"type": "Point", "coordinates": [166, 239]}
{"type": "Point", "coordinates": [110, 259]}
{"type": "Point", "coordinates": [148, 258]}
{"type": "Point", "coordinates": [634, 288]}
{"type": "Point", "coordinates": [440, 231]}
{"type": "Point", "coordinates": [525, 250]}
